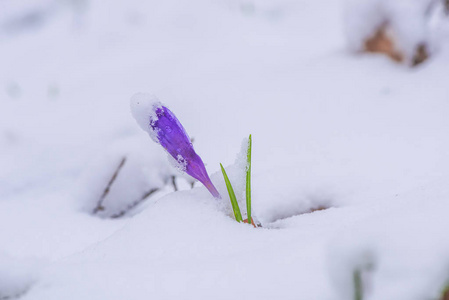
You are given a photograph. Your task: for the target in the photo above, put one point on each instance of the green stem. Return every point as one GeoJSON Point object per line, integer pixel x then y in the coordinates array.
{"type": "Point", "coordinates": [248, 181]}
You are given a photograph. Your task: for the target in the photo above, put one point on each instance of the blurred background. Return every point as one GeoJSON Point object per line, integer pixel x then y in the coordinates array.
{"type": "Point", "coordinates": [69, 67]}
{"type": "Point", "coordinates": [329, 88]}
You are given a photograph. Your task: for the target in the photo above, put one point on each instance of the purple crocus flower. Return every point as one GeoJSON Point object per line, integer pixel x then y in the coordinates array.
{"type": "Point", "coordinates": [164, 128]}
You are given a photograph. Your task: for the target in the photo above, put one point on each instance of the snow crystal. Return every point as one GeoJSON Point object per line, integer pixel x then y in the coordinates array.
{"type": "Point", "coordinates": [143, 109]}
{"type": "Point", "coordinates": [180, 163]}
{"type": "Point", "coordinates": [241, 160]}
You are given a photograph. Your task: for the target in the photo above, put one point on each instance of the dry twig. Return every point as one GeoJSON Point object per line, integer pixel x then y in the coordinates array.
{"type": "Point", "coordinates": [100, 206]}
{"type": "Point", "coordinates": [134, 204]}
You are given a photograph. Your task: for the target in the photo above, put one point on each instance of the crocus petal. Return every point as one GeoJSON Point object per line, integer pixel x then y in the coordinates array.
{"type": "Point", "coordinates": [165, 129]}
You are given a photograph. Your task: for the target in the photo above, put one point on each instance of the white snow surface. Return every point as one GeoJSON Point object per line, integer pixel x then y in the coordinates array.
{"type": "Point", "coordinates": [356, 133]}
{"type": "Point", "coordinates": [16, 276]}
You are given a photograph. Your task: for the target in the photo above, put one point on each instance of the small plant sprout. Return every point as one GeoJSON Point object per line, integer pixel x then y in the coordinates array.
{"type": "Point", "coordinates": [235, 205]}
{"type": "Point", "coordinates": [361, 278]}
{"type": "Point", "coordinates": [165, 129]}
{"type": "Point", "coordinates": [232, 197]}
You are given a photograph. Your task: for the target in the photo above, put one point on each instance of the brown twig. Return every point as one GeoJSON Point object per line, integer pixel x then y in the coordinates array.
{"type": "Point", "coordinates": [134, 204]}
{"type": "Point", "coordinates": [100, 206]}
{"type": "Point", "coordinates": [173, 182]}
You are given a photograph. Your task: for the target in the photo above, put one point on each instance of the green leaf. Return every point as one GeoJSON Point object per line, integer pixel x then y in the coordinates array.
{"type": "Point", "coordinates": [358, 285]}
{"type": "Point", "coordinates": [235, 205]}
{"type": "Point", "coordinates": [248, 181]}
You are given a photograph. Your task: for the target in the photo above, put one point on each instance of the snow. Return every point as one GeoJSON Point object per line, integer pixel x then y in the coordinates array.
{"type": "Point", "coordinates": [143, 108]}
{"type": "Point", "coordinates": [356, 134]}
{"type": "Point", "coordinates": [16, 277]}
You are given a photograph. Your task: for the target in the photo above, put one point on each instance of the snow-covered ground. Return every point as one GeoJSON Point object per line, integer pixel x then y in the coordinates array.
{"type": "Point", "coordinates": [356, 133]}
